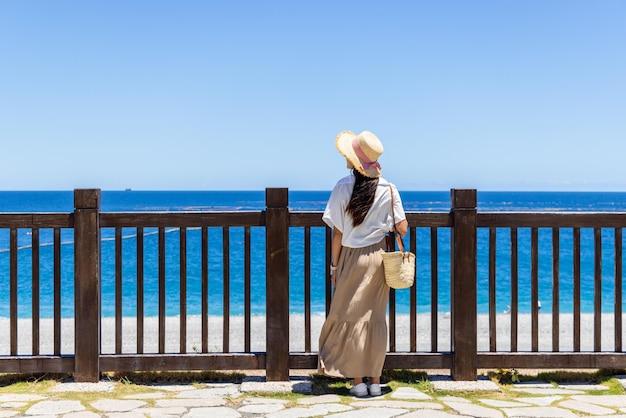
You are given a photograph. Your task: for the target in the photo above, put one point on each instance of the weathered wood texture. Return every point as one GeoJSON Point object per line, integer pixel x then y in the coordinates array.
{"type": "Point", "coordinates": [392, 361]}
{"type": "Point", "coordinates": [37, 364]}
{"type": "Point", "coordinates": [159, 362]}
{"type": "Point", "coordinates": [550, 360]}
{"type": "Point", "coordinates": [462, 223]}
{"type": "Point", "coordinates": [463, 282]}
{"type": "Point", "coordinates": [87, 285]}
{"type": "Point", "coordinates": [277, 284]}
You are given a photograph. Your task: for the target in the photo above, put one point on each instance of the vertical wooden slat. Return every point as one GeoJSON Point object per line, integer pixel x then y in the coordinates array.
{"type": "Point", "coordinates": [277, 284]}
{"type": "Point", "coordinates": [576, 334]}
{"type": "Point", "coordinates": [534, 288]}
{"type": "Point", "coordinates": [247, 289]}
{"type": "Point", "coordinates": [183, 290]}
{"type": "Point", "coordinates": [618, 289]}
{"type": "Point", "coordinates": [226, 266]}
{"type": "Point", "coordinates": [36, 290]}
{"type": "Point", "coordinates": [413, 296]}
{"type": "Point", "coordinates": [392, 320]}
{"type": "Point", "coordinates": [13, 290]}
{"type": "Point", "coordinates": [464, 297]}
{"type": "Point", "coordinates": [492, 289]}
{"type": "Point", "coordinates": [205, 289]}
{"type": "Point", "coordinates": [307, 289]}
{"type": "Point", "coordinates": [57, 291]}
{"type": "Point", "coordinates": [514, 288]}
{"type": "Point", "coordinates": [597, 290]}
{"type": "Point", "coordinates": [434, 290]}
{"type": "Point", "coordinates": [556, 271]}
{"type": "Point", "coordinates": [118, 290]}
{"type": "Point", "coordinates": [161, 290]}
{"type": "Point", "coordinates": [87, 278]}
{"type": "Point", "coordinates": [140, 290]}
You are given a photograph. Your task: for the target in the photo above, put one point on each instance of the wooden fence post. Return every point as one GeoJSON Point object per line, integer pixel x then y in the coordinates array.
{"type": "Point", "coordinates": [87, 285]}
{"type": "Point", "coordinates": [463, 282]}
{"type": "Point", "coordinates": [277, 284]}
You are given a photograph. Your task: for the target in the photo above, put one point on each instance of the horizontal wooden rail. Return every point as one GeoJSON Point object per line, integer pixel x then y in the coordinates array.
{"type": "Point", "coordinates": [36, 220]}
{"type": "Point", "coordinates": [434, 361]}
{"type": "Point", "coordinates": [429, 220]}
{"type": "Point", "coordinates": [37, 364]}
{"type": "Point", "coordinates": [551, 220]}
{"type": "Point", "coordinates": [156, 362]}
{"type": "Point", "coordinates": [551, 360]}
{"type": "Point", "coordinates": [181, 219]}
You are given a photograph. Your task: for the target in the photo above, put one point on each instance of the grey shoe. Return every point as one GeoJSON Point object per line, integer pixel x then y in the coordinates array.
{"type": "Point", "coordinates": [359, 390]}
{"type": "Point", "coordinates": [374, 389]}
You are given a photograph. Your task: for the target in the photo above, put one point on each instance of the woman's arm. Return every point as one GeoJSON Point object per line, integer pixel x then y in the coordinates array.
{"type": "Point", "coordinates": [335, 251]}
{"type": "Point", "coordinates": [402, 227]}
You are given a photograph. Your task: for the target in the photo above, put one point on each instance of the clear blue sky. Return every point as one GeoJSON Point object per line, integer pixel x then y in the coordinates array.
{"type": "Point", "coordinates": [188, 95]}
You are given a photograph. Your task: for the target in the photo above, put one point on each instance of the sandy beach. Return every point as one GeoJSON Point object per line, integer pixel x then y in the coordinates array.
{"type": "Point", "coordinates": [297, 337]}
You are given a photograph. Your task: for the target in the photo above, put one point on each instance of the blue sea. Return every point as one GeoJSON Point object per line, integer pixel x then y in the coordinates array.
{"type": "Point", "coordinates": [414, 201]}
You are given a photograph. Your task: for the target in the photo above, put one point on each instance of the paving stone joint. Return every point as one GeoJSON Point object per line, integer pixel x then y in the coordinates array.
{"type": "Point", "coordinates": [256, 398]}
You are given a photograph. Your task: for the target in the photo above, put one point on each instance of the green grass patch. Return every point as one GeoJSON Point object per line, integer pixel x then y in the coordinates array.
{"type": "Point", "coordinates": [321, 385]}
{"type": "Point", "coordinates": [404, 376]}
{"type": "Point", "coordinates": [182, 377]}
{"type": "Point", "coordinates": [615, 388]}
{"type": "Point", "coordinates": [290, 397]}
{"type": "Point", "coordinates": [393, 378]}
{"type": "Point", "coordinates": [26, 379]}
{"type": "Point", "coordinates": [555, 377]}
{"type": "Point", "coordinates": [563, 376]}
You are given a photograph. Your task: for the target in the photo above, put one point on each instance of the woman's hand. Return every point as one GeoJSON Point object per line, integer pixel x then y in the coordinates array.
{"type": "Point", "coordinates": [333, 278]}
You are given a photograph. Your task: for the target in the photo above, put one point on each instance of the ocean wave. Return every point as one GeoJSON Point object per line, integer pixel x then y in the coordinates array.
{"type": "Point", "coordinates": [104, 239]}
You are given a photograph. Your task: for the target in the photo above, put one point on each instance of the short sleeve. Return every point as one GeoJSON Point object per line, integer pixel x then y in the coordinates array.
{"type": "Point", "coordinates": [398, 209]}
{"type": "Point", "coordinates": [333, 214]}
{"type": "Point", "coordinates": [397, 215]}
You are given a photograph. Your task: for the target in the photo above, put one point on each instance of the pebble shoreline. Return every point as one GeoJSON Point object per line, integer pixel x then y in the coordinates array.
{"type": "Point", "coordinates": [297, 337]}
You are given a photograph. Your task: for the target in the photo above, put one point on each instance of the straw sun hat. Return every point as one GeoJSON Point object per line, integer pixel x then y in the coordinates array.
{"type": "Point", "coordinates": [362, 151]}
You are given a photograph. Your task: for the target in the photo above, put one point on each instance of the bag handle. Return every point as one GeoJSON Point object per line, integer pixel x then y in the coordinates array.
{"type": "Point", "coordinates": [395, 231]}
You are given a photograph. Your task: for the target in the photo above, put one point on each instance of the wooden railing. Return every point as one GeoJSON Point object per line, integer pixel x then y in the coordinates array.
{"type": "Point", "coordinates": [412, 343]}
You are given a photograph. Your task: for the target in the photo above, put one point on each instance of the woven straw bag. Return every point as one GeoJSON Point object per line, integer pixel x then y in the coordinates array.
{"type": "Point", "coordinates": [398, 265]}
{"type": "Point", "coordinates": [399, 269]}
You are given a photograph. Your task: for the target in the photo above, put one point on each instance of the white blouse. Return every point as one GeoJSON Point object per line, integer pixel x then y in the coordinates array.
{"type": "Point", "coordinates": [378, 220]}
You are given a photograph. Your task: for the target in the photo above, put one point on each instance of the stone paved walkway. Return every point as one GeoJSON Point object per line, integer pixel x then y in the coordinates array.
{"type": "Point", "coordinates": [257, 398]}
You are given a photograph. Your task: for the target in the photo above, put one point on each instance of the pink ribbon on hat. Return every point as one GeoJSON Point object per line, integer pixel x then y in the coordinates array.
{"type": "Point", "coordinates": [365, 161]}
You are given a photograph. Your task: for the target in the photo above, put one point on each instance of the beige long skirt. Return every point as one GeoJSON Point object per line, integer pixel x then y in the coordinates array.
{"type": "Point", "coordinates": [353, 339]}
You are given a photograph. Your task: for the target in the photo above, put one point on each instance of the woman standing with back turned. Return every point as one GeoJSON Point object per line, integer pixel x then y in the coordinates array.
{"type": "Point", "coordinates": [353, 339]}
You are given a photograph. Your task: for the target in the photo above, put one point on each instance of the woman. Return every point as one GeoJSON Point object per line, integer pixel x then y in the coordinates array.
{"type": "Point", "coordinates": [353, 339]}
